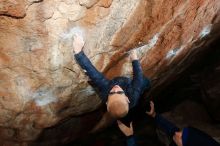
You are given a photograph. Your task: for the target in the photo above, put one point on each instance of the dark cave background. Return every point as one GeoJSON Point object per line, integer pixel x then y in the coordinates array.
{"type": "Point", "coordinates": [200, 83]}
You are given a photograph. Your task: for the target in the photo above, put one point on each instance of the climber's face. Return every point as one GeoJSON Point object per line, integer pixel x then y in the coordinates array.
{"type": "Point", "coordinates": [118, 102]}
{"type": "Point", "coordinates": [116, 90]}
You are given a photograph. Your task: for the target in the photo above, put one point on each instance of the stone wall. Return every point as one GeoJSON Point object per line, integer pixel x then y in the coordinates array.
{"type": "Point", "coordinates": [41, 86]}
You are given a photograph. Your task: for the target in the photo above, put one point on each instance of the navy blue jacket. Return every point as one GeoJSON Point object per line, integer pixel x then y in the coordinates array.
{"type": "Point", "coordinates": [131, 141]}
{"type": "Point", "coordinates": [190, 136]}
{"type": "Point", "coordinates": [161, 122]}
{"type": "Point", "coordinates": [168, 127]}
{"type": "Point", "coordinates": [193, 137]}
{"type": "Point", "coordinates": [133, 88]}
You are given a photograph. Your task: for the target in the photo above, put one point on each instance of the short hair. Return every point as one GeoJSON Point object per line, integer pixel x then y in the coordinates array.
{"type": "Point", "coordinates": [118, 109]}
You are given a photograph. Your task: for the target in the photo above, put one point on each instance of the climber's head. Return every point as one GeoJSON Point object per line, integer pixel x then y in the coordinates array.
{"type": "Point", "coordinates": [118, 102]}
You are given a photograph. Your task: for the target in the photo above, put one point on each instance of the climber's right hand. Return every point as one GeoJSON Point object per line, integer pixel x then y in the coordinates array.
{"type": "Point", "coordinates": [78, 43]}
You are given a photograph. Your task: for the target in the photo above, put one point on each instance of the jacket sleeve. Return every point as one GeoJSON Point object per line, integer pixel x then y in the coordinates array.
{"type": "Point", "coordinates": [168, 127]}
{"type": "Point", "coordinates": [97, 78]}
{"type": "Point", "coordinates": [131, 141]}
{"type": "Point", "coordinates": [139, 82]}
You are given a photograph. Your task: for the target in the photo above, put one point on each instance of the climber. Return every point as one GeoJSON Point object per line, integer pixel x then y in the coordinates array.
{"type": "Point", "coordinates": [121, 93]}
{"type": "Point", "coordinates": [188, 136]}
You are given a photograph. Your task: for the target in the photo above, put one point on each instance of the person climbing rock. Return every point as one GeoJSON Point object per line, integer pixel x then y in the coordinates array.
{"type": "Point", "coordinates": [121, 93]}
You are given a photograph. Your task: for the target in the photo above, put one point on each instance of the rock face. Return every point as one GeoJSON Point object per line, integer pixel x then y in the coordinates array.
{"type": "Point", "coordinates": [44, 95]}
{"type": "Point", "coordinates": [200, 82]}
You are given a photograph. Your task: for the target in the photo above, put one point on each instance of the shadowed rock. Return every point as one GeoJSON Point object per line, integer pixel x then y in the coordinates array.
{"type": "Point", "coordinates": [41, 86]}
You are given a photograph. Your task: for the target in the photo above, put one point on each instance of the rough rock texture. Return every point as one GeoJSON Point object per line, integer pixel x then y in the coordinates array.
{"type": "Point", "coordinates": [41, 86]}
{"type": "Point", "coordinates": [193, 99]}
{"type": "Point", "coordinates": [190, 113]}
{"type": "Point", "coordinates": [210, 83]}
{"type": "Point", "coordinates": [200, 82]}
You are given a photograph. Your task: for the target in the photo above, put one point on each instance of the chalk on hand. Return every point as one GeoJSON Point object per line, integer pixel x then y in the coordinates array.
{"type": "Point", "coordinates": [75, 31]}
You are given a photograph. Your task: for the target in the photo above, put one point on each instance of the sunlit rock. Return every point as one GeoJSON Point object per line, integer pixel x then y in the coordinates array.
{"type": "Point", "coordinates": [42, 87]}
